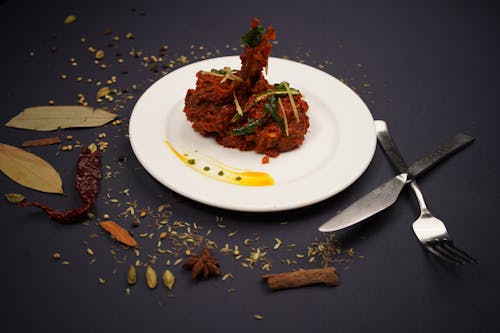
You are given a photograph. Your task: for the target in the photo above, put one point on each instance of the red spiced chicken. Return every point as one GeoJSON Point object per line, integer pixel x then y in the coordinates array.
{"type": "Point", "coordinates": [241, 109]}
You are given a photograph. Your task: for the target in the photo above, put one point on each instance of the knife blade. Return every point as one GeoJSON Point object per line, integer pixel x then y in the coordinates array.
{"type": "Point", "coordinates": [386, 194]}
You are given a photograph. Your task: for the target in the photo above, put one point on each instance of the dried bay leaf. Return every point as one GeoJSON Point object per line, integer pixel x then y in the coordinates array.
{"type": "Point", "coordinates": [119, 233]}
{"type": "Point", "coordinates": [49, 118]}
{"type": "Point", "coordinates": [29, 170]}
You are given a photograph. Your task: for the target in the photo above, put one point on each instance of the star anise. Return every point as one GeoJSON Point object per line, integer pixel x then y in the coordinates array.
{"type": "Point", "coordinates": [205, 265]}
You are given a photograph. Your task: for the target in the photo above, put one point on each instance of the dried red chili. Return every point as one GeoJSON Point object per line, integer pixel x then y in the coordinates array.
{"type": "Point", "coordinates": [88, 179]}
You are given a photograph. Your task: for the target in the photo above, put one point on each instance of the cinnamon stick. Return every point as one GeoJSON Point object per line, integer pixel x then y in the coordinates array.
{"type": "Point", "coordinates": [41, 142]}
{"type": "Point", "coordinates": [301, 278]}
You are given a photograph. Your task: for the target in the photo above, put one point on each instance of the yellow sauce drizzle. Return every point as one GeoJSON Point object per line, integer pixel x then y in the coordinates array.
{"type": "Point", "coordinates": [221, 172]}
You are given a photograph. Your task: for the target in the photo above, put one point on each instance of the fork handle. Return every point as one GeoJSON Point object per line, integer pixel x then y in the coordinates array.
{"type": "Point", "coordinates": [389, 146]}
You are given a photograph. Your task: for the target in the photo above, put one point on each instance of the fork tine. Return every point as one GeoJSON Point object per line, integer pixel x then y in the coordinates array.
{"type": "Point", "coordinates": [437, 250]}
{"type": "Point", "coordinates": [448, 243]}
{"type": "Point", "coordinates": [441, 246]}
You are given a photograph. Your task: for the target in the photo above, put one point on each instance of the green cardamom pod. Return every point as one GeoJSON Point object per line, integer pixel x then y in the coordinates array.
{"type": "Point", "coordinates": [14, 197]}
{"type": "Point", "coordinates": [168, 279]}
{"type": "Point", "coordinates": [132, 275]}
{"type": "Point", "coordinates": [151, 278]}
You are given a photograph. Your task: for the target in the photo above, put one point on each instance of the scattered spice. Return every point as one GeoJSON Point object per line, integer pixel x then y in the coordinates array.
{"type": "Point", "coordinates": [70, 19]}
{"type": "Point", "coordinates": [92, 148]}
{"type": "Point", "coordinates": [88, 179]}
{"type": "Point", "coordinates": [205, 265]}
{"type": "Point", "coordinates": [99, 54]}
{"type": "Point", "coordinates": [277, 244]}
{"type": "Point", "coordinates": [103, 92]}
{"type": "Point", "coordinates": [301, 278]}
{"type": "Point", "coordinates": [327, 249]}
{"type": "Point", "coordinates": [119, 233]}
{"type": "Point", "coordinates": [41, 142]}
{"type": "Point", "coordinates": [227, 276]}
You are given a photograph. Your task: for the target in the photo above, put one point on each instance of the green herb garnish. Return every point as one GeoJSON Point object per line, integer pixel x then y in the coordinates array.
{"type": "Point", "coordinates": [253, 37]}
{"type": "Point", "coordinates": [218, 71]}
{"type": "Point", "coordinates": [271, 107]}
{"type": "Point", "coordinates": [247, 129]}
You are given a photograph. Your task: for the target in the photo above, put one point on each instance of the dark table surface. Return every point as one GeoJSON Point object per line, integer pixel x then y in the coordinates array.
{"type": "Point", "coordinates": [429, 68]}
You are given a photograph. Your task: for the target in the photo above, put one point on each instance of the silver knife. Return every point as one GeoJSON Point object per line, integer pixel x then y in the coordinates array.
{"type": "Point", "coordinates": [387, 193]}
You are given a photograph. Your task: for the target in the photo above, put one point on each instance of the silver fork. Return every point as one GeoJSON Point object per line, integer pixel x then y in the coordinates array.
{"type": "Point", "coordinates": [430, 231]}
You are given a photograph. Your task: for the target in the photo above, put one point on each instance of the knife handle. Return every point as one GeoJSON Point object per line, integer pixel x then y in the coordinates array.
{"type": "Point", "coordinates": [443, 151]}
{"type": "Point", "coordinates": [458, 142]}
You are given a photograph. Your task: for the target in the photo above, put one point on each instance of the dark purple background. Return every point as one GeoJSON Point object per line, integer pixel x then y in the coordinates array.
{"type": "Point", "coordinates": [432, 69]}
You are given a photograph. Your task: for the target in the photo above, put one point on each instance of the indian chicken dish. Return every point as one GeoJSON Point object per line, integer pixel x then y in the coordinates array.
{"type": "Point", "coordinates": [241, 109]}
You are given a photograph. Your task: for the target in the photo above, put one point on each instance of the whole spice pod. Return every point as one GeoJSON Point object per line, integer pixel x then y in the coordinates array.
{"type": "Point", "coordinates": [88, 180]}
{"type": "Point", "coordinates": [168, 279]}
{"type": "Point", "coordinates": [14, 197]}
{"type": "Point", "coordinates": [131, 275]}
{"type": "Point", "coordinates": [151, 277]}
{"type": "Point", "coordinates": [204, 265]}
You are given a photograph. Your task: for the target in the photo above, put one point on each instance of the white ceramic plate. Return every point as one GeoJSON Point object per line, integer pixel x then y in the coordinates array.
{"type": "Point", "coordinates": [338, 147]}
